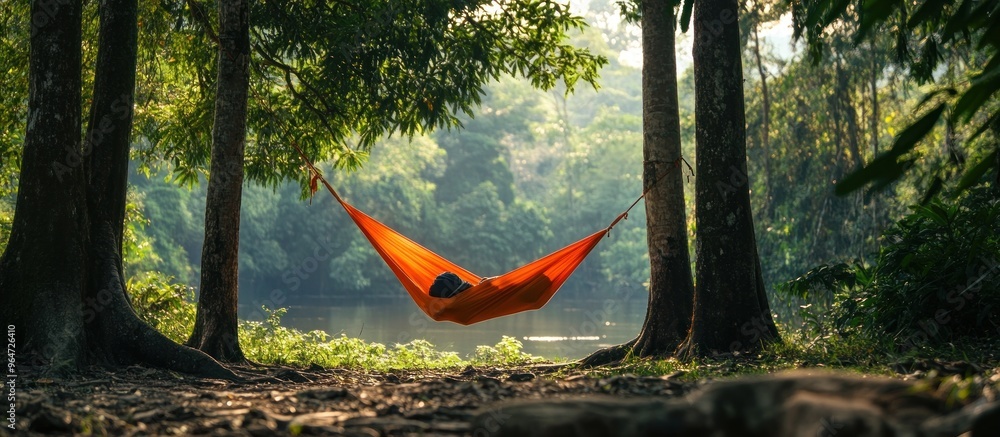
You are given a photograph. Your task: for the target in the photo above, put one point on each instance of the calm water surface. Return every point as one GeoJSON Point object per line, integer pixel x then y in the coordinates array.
{"type": "Point", "coordinates": [565, 328]}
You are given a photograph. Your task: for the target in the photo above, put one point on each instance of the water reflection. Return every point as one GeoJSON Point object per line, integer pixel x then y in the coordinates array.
{"type": "Point", "coordinates": [565, 328]}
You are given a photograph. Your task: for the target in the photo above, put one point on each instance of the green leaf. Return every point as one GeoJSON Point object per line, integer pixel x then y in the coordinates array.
{"type": "Point", "coordinates": [916, 131]}
{"type": "Point", "coordinates": [982, 89]}
{"type": "Point", "coordinates": [836, 10]}
{"type": "Point", "coordinates": [977, 171]}
{"type": "Point", "coordinates": [992, 32]}
{"type": "Point", "coordinates": [983, 127]}
{"type": "Point", "coordinates": [885, 169]}
{"type": "Point", "coordinates": [930, 9]}
{"type": "Point", "coordinates": [958, 20]}
{"type": "Point", "coordinates": [875, 12]}
{"type": "Point", "coordinates": [936, 215]}
{"type": "Point", "coordinates": [931, 95]}
{"type": "Point", "coordinates": [686, 8]}
{"type": "Point", "coordinates": [906, 260]}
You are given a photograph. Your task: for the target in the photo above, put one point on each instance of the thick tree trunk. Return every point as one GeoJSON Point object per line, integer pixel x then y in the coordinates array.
{"type": "Point", "coordinates": [81, 301]}
{"type": "Point", "coordinates": [668, 314]}
{"type": "Point", "coordinates": [216, 325]}
{"type": "Point", "coordinates": [730, 306]}
{"type": "Point", "coordinates": [43, 270]}
{"type": "Point", "coordinates": [118, 336]}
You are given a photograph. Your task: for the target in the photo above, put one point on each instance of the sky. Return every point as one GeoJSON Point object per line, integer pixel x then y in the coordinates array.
{"type": "Point", "coordinates": [777, 36]}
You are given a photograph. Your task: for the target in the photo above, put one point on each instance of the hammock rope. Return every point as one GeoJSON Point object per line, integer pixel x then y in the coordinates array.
{"type": "Point", "coordinates": [526, 288]}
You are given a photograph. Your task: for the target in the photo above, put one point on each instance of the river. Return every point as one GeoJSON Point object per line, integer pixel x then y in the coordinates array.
{"type": "Point", "coordinates": [566, 328]}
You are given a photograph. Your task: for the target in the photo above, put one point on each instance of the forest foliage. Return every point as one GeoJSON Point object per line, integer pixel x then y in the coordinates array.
{"type": "Point", "coordinates": [534, 170]}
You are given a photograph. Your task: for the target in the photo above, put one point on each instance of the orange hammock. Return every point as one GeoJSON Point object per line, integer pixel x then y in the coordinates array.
{"type": "Point", "coordinates": [526, 288]}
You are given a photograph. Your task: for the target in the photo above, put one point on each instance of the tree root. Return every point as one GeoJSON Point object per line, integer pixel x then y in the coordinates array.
{"type": "Point", "coordinates": [156, 350]}
{"type": "Point", "coordinates": [117, 336]}
{"type": "Point", "coordinates": [609, 355]}
{"type": "Point", "coordinates": [224, 348]}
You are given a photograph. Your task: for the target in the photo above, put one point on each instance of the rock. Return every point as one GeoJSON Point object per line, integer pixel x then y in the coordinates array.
{"type": "Point", "coordinates": [792, 404]}
{"type": "Point", "coordinates": [807, 403]}
{"type": "Point", "coordinates": [592, 416]}
{"type": "Point", "coordinates": [981, 418]}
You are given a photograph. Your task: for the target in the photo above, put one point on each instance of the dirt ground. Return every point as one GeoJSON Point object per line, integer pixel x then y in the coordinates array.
{"type": "Point", "coordinates": [318, 401]}
{"type": "Point", "coordinates": [274, 400]}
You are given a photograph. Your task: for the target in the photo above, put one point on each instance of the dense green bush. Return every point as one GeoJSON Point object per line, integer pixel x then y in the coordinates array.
{"type": "Point", "coordinates": [936, 277]}
{"type": "Point", "coordinates": [167, 306]}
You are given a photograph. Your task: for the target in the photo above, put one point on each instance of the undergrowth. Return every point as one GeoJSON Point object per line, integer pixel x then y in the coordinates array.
{"type": "Point", "coordinates": [170, 308]}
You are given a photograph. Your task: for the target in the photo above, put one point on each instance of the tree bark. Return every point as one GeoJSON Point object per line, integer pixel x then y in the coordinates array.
{"type": "Point", "coordinates": [671, 287]}
{"type": "Point", "coordinates": [43, 269]}
{"type": "Point", "coordinates": [668, 313]}
{"type": "Point", "coordinates": [68, 285]}
{"type": "Point", "coordinates": [731, 314]}
{"type": "Point", "coordinates": [216, 325]}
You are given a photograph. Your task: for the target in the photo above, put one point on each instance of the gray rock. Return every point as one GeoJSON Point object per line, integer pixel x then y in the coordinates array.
{"type": "Point", "coordinates": [590, 416]}
{"type": "Point", "coordinates": [791, 404]}
{"type": "Point", "coordinates": [981, 418]}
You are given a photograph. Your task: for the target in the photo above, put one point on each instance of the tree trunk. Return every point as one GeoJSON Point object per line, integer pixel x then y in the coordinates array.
{"type": "Point", "coordinates": [731, 314]}
{"type": "Point", "coordinates": [668, 313]}
{"type": "Point", "coordinates": [873, 84]}
{"type": "Point", "coordinates": [43, 269]}
{"type": "Point", "coordinates": [671, 287]}
{"type": "Point", "coordinates": [67, 285]}
{"type": "Point", "coordinates": [216, 325]}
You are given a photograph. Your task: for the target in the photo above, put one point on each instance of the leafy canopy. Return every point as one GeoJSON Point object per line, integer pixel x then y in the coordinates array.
{"type": "Point", "coordinates": [926, 34]}
{"type": "Point", "coordinates": [336, 76]}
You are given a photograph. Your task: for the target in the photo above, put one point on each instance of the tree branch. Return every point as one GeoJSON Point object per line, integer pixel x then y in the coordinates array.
{"type": "Point", "coordinates": [289, 71]}
{"type": "Point", "coordinates": [199, 14]}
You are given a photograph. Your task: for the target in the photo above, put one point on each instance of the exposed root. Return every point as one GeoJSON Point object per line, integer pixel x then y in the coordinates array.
{"type": "Point", "coordinates": [609, 355]}
{"type": "Point", "coordinates": [223, 347]}
{"type": "Point", "coordinates": [118, 336]}
{"type": "Point", "coordinates": [154, 349]}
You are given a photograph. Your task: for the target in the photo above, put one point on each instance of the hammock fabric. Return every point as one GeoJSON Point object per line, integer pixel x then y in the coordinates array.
{"type": "Point", "coordinates": [526, 288]}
